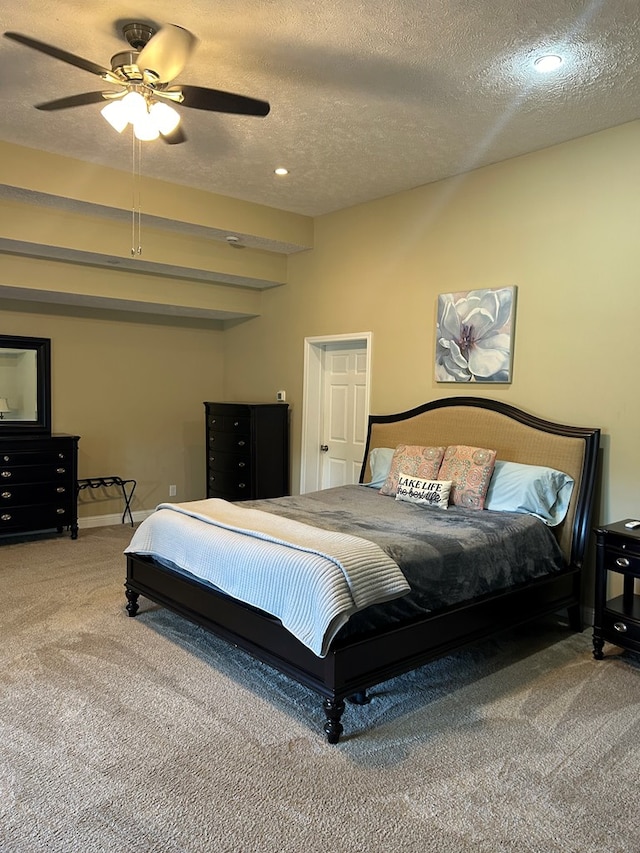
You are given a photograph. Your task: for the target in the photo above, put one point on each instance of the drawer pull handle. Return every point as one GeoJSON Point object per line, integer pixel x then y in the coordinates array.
{"type": "Point", "coordinates": [60, 455]}
{"type": "Point", "coordinates": [241, 464]}
{"type": "Point", "coordinates": [61, 470]}
{"type": "Point", "coordinates": [623, 563]}
{"type": "Point", "coordinates": [60, 511]}
{"type": "Point", "coordinates": [61, 490]}
{"type": "Point", "coordinates": [242, 485]}
{"type": "Point", "coordinates": [620, 627]}
{"type": "Point", "coordinates": [241, 444]}
{"type": "Point", "coordinates": [6, 458]}
{"type": "Point", "coordinates": [6, 495]}
{"type": "Point", "coordinates": [236, 423]}
{"type": "Point", "coordinates": [6, 474]}
{"type": "Point", "coordinates": [5, 516]}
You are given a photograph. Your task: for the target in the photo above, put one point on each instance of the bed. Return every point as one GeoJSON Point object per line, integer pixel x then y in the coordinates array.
{"type": "Point", "coordinates": [447, 601]}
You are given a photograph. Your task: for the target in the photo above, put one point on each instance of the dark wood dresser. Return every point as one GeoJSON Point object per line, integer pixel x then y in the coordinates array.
{"type": "Point", "coordinates": [247, 450]}
{"type": "Point", "coordinates": [38, 483]}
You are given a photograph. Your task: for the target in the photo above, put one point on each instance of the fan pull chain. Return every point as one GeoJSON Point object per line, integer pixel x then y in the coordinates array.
{"type": "Point", "coordinates": [136, 206]}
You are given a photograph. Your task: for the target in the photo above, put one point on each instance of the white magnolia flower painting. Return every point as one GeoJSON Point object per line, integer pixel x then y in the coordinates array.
{"type": "Point", "coordinates": [474, 335]}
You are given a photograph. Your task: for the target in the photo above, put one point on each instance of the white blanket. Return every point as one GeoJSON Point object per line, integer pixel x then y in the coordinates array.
{"type": "Point", "coordinates": [311, 579]}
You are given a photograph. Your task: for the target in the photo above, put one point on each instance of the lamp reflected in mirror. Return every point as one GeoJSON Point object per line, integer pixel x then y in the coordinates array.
{"type": "Point", "coordinates": [4, 407]}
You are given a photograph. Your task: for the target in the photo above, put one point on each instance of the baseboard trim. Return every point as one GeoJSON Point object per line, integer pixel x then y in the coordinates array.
{"type": "Point", "coordinates": [113, 518]}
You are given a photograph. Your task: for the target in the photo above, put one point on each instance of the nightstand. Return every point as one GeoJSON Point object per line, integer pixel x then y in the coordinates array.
{"type": "Point", "coordinates": [617, 620]}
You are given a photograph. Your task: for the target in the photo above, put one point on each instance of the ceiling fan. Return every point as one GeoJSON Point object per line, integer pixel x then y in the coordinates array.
{"type": "Point", "coordinates": [144, 77]}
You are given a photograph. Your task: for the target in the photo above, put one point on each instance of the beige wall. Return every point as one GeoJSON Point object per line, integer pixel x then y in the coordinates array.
{"type": "Point", "coordinates": [133, 391]}
{"type": "Point", "coordinates": [560, 224]}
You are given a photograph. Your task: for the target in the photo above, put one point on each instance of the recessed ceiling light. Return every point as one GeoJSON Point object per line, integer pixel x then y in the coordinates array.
{"type": "Point", "coordinates": [281, 171]}
{"type": "Point", "coordinates": [547, 63]}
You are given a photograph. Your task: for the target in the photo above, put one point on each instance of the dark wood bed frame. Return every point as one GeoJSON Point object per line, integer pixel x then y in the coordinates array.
{"type": "Point", "coordinates": [353, 666]}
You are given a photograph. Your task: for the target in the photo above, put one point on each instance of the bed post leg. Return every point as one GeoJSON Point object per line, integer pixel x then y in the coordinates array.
{"type": "Point", "coordinates": [132, 601]}
{"type": "Point", "coordinates": [333, 708]}
{"type": "Point", "coordinates": [359, 698]}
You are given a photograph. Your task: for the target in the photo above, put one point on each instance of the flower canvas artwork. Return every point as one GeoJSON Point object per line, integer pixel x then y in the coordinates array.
{"type": "Point", "coordinates": [474, 335]}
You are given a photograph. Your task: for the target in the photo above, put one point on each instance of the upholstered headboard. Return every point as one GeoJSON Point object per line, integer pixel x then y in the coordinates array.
{"type": "Point", "coordinates": [516, 436]}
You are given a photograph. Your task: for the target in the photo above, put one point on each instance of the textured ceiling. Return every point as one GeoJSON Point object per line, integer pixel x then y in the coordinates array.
{"type": "Point", "coordinates": [367, 98]}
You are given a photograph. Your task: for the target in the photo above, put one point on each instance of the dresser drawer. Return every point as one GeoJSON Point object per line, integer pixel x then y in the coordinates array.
{"type": "Point", "coordinates": [230, 462]}
{"type": "Point", "coordinates": [229, 423]}
{"type": "Point", "coordinates": [228, 441]}
{"type": "Point", "coordinates": [13, 458]}
{"type": "Point", "coordinates": [34, 493]}
{"type": "Point", "coordinates": [621, 627]}
{"type": "Point", "coordinates": [57, 472]}
{"type": "Point", "coordinates": [235, 486]}
{"type": "Point", "coordinates": [38, 517]}
{"type": "Point", "coordinates": [621, 559]}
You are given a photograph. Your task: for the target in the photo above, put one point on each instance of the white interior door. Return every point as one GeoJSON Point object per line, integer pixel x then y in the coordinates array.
{"type": "Point", "coordinates": [344, 414]}
{"type": "Point", "coordinates": [335, 409]}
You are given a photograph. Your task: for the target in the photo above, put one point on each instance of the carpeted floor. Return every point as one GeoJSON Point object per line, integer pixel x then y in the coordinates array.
{"type": "Point", "coordinates": [149, 734]}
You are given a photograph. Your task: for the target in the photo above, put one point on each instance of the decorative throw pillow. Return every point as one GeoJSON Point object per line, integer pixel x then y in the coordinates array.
{"type": "Point", "coordinates": [415, 460]}
{"type": "Point", "coordinates": [380, 464]}
{"type": "Point", "coordinates": [533, 489]}
{"type": "Point", "coordinates": [424, 492]}
{"type": "Point", "coordinates": [470, 469]}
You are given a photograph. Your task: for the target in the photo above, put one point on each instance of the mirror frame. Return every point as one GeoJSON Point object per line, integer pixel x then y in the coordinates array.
{"type": "Point", "coordinates": [42, 424]}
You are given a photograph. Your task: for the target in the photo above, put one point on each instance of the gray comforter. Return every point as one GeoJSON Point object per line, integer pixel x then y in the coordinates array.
{"type": "Point", "coordinates": [448, 556]}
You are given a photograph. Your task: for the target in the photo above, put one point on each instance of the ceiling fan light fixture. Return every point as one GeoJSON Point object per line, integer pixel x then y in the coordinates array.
{"type": "Point", "coordinates": [145, 128]}
{"type": "Point", "coordinates": [135, 106]}
{"type": "Point", "coordinates": [144, 77]}
{"type": "Point", "coordinates": [116, 114]}
{"type": "Point", "coordinates": [165, 118]}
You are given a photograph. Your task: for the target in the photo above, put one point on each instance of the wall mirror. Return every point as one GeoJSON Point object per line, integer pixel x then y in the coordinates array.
{"type": "Point", "coordinates": [25, 385]}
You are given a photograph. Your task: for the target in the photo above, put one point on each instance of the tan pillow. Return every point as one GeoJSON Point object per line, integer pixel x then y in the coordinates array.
{"type": "Point", "coordinates": [433, 493]}
{"type": "Point", "coordinates": [470, 469]}
{"type": "Point", "coordinates": [414, 460]}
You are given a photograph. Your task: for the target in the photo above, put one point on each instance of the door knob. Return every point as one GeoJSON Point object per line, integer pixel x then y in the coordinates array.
{"type": "Point", "coordinates": [324, 447]}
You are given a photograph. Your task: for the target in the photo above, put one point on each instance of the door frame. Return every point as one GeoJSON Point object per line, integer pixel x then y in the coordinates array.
{"type": "Point", "coordinates": [312, 400]}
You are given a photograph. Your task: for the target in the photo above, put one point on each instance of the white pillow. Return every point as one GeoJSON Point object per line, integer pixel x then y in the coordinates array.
{"type": "Point", "coordinates": [533, 489]}
{"type": "Point", "coordinates": [424, 492]}
{"type": "Point", "coordinates": [380, 464]}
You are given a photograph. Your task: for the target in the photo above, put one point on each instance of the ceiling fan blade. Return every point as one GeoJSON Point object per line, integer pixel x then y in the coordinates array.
{"type": "Point", "coordinates": [167, 52]}
{"type": "Point", "coordinates": [72, 101]}
{"type": "Point", "coordinates": [214, 100]}
{"type": "Point", "coordinates": [63, 55]}
{"type": "Point", "coordinates": [175, 137]}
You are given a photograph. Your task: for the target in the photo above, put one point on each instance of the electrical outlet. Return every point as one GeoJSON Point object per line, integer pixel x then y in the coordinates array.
{"type": "Point", "coordinates": [281, 396]}
{"type": "Point", "coordinates": [172, 491]}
